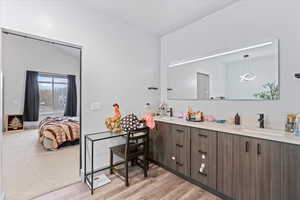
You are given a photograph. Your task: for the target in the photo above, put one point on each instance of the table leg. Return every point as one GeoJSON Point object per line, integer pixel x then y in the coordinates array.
{"type": "Point", "coordinates": [92, 169]}
{"type": "Point", "coordinates": [85, 159]}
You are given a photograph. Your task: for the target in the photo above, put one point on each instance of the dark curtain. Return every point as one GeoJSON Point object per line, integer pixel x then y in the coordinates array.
{"type": "Point", "coordinates": [71, 106]}
{"type": "Point", "coordinates": [32, 97]}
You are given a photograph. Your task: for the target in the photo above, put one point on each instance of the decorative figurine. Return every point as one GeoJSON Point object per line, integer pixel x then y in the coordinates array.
{"type": "Point", "coordinates": [114, 123]}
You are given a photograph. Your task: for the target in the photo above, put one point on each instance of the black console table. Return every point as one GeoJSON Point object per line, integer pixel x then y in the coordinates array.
{"type": "Point", "coordinates": [92, 138]}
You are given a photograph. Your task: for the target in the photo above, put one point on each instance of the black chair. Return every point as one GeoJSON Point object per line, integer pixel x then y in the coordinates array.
{"type": "Point", "coordinates": [136, 147]}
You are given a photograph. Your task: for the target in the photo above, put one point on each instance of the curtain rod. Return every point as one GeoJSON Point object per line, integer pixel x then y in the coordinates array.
{"type": "Point", "coordinates": [41, 40]}
{"type": "Point", "coordinates": [50, 73]}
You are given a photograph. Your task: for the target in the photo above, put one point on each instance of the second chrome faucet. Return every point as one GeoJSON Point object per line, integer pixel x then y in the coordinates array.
{"type": "Point", "coordinates": [261, 120]}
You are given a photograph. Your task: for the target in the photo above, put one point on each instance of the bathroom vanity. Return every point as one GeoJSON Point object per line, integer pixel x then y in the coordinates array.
{"type": "Point", "coordinates": [233, 162]}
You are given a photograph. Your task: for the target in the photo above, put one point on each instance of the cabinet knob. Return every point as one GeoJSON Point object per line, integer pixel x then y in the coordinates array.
{"type": "Point", "coordinates": [173, 158]}
{"type": "Point", "coordinates": [247, 147]}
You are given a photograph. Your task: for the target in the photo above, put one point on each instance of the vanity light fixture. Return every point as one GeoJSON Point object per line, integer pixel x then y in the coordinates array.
{"type": "Point", "coordinates": [220, 54]}
{"type": "Point", "coordinates": [249, 76]}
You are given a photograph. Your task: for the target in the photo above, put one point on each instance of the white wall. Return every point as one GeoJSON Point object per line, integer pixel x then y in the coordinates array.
{"type": "Point", "coordinates": [1, 147]}
{"type": "Point", "coordinates": [116, 56]}
{"type": "Point", "coordinates": [22, 54]}
{"type": "Point", "coordinates": [238, 25]}
{"type": "Point", "coordinates": [119, 61]}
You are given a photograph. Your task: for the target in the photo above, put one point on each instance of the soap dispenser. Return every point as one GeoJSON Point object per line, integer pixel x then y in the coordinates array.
{"type": "Point", "coordinates": [237, 119]}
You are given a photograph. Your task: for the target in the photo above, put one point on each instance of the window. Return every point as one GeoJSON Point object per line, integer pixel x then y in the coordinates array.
{"type": "Point", "coordinates": [53, 93]}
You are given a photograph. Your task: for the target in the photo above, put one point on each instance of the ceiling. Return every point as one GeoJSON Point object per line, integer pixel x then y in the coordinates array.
{"type": "Point", "coordinates": [158, 16]}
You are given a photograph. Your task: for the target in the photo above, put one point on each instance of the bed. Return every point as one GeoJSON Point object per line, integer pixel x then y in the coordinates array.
{"type": "Point", "coordinates": [57, 132]}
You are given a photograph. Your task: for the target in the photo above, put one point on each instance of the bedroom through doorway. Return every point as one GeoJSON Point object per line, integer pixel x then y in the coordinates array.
{"type": "Point", "coordinates": [42, 112]}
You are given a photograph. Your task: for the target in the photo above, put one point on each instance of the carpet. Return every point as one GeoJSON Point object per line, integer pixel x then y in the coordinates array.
{"type": "Point", "coordinates": [30, 171]}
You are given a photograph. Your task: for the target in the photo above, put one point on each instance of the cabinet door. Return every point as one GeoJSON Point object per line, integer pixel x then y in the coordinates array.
{"type": "Point", "coordinates": [228, 164]}
{"type": "Point", "coordinates": [247, 165]}
{"type": "Point", "coordinates": [152, 143]}
{"type": "Point", "coordinates": [181, 149]}
{"type": "Point", "coordinates": [291, 175]}
{"type": "Point", "coordinates": [161, 141]}
{"type": "Point", "coordinates": [268, 170]}
{"type": "Point", "coordinates": [204, 156]}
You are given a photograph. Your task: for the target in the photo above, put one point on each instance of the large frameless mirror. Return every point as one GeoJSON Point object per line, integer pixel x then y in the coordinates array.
{"type": "Point", "coordinates": [247, 73]}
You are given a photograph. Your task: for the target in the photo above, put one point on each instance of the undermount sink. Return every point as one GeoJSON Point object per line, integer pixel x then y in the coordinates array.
{"type": "Point", "coordinates": [262, 131]}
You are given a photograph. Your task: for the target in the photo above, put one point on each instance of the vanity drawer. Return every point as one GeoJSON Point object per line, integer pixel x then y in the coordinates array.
{"type": "Point", "coordinates": [179, 134]}
{"type": "Point", "coordinates": [204, 156]}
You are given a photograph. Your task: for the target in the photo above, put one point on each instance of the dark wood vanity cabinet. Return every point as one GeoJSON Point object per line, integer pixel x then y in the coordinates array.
{"type": "Point", "coordinates": [204, 156]}
{"type": "Point", "coordinates": [242, 168]}
{"type": "Point", "coordinates": [291, 173]}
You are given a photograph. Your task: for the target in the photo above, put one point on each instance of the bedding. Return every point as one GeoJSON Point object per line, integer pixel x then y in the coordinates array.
{"type": "Point", "coordinates": [55, 132]}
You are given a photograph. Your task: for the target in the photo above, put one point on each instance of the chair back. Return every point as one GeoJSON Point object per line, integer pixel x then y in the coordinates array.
{"type": "Point", "coordinates": [136, 141]}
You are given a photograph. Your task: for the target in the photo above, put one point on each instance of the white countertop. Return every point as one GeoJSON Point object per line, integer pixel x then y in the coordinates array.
{"type": "Point", "coordinates": [268, 134]}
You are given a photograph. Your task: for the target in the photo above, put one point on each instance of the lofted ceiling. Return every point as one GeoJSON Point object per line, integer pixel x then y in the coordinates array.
{"type": "Point", "coordinates": [158, 16]}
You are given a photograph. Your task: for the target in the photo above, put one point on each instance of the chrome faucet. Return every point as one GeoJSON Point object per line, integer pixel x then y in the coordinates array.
{"type": "Point", "coordinates": [261, 120]}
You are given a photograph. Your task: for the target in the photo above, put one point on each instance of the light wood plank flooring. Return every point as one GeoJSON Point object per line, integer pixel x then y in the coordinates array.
{"type": "Point", "coordinates": [160, 184]}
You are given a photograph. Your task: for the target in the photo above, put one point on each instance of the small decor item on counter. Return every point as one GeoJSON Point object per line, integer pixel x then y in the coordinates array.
{"type": "Point", "coordinates": [180, 115]}
{"type": "Point", "coordinates": [189, 114]}
{"type": "Point", "coordinates": [210, 118]}
{"type": "Point", "coordinates": [221, 121]}
{"type": "Point", "coordinates": [130, 123]}
{"type": "Point", "coordinates": [202, 117]}
{"type": "Point", "coordinates": [290, 123]}
{"type": "Point", "coordinates": [297, 126]}
{"type": "Point", "coordinates": [198, 116]}
{"type": "Point", "coordinates": [14, 123]}
{"type": "Point", "coordinates": [237, 119]}
{"type": "Point", "coordinates": [114, 123]}
{"type": "Point", "coordinates": [194, 116]}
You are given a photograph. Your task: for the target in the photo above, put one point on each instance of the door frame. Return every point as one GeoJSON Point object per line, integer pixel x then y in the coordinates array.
{"type": "Point", "coordinates": [57, 42]}
{"type": "Point", "coordinates": [200, 73]}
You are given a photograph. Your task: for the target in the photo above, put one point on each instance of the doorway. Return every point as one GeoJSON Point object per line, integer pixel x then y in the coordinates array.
{"type": "Point", "coordinates": [45, 154]}
{"type": "Point", "coordinates": [203, 86]}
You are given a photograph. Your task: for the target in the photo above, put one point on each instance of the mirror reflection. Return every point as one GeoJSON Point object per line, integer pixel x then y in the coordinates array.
{"type": "Point", "coordinates": [248, 73]}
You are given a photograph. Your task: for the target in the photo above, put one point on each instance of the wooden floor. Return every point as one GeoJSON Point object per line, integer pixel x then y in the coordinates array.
{"type": "Point", "coordinates": [160, 184]}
